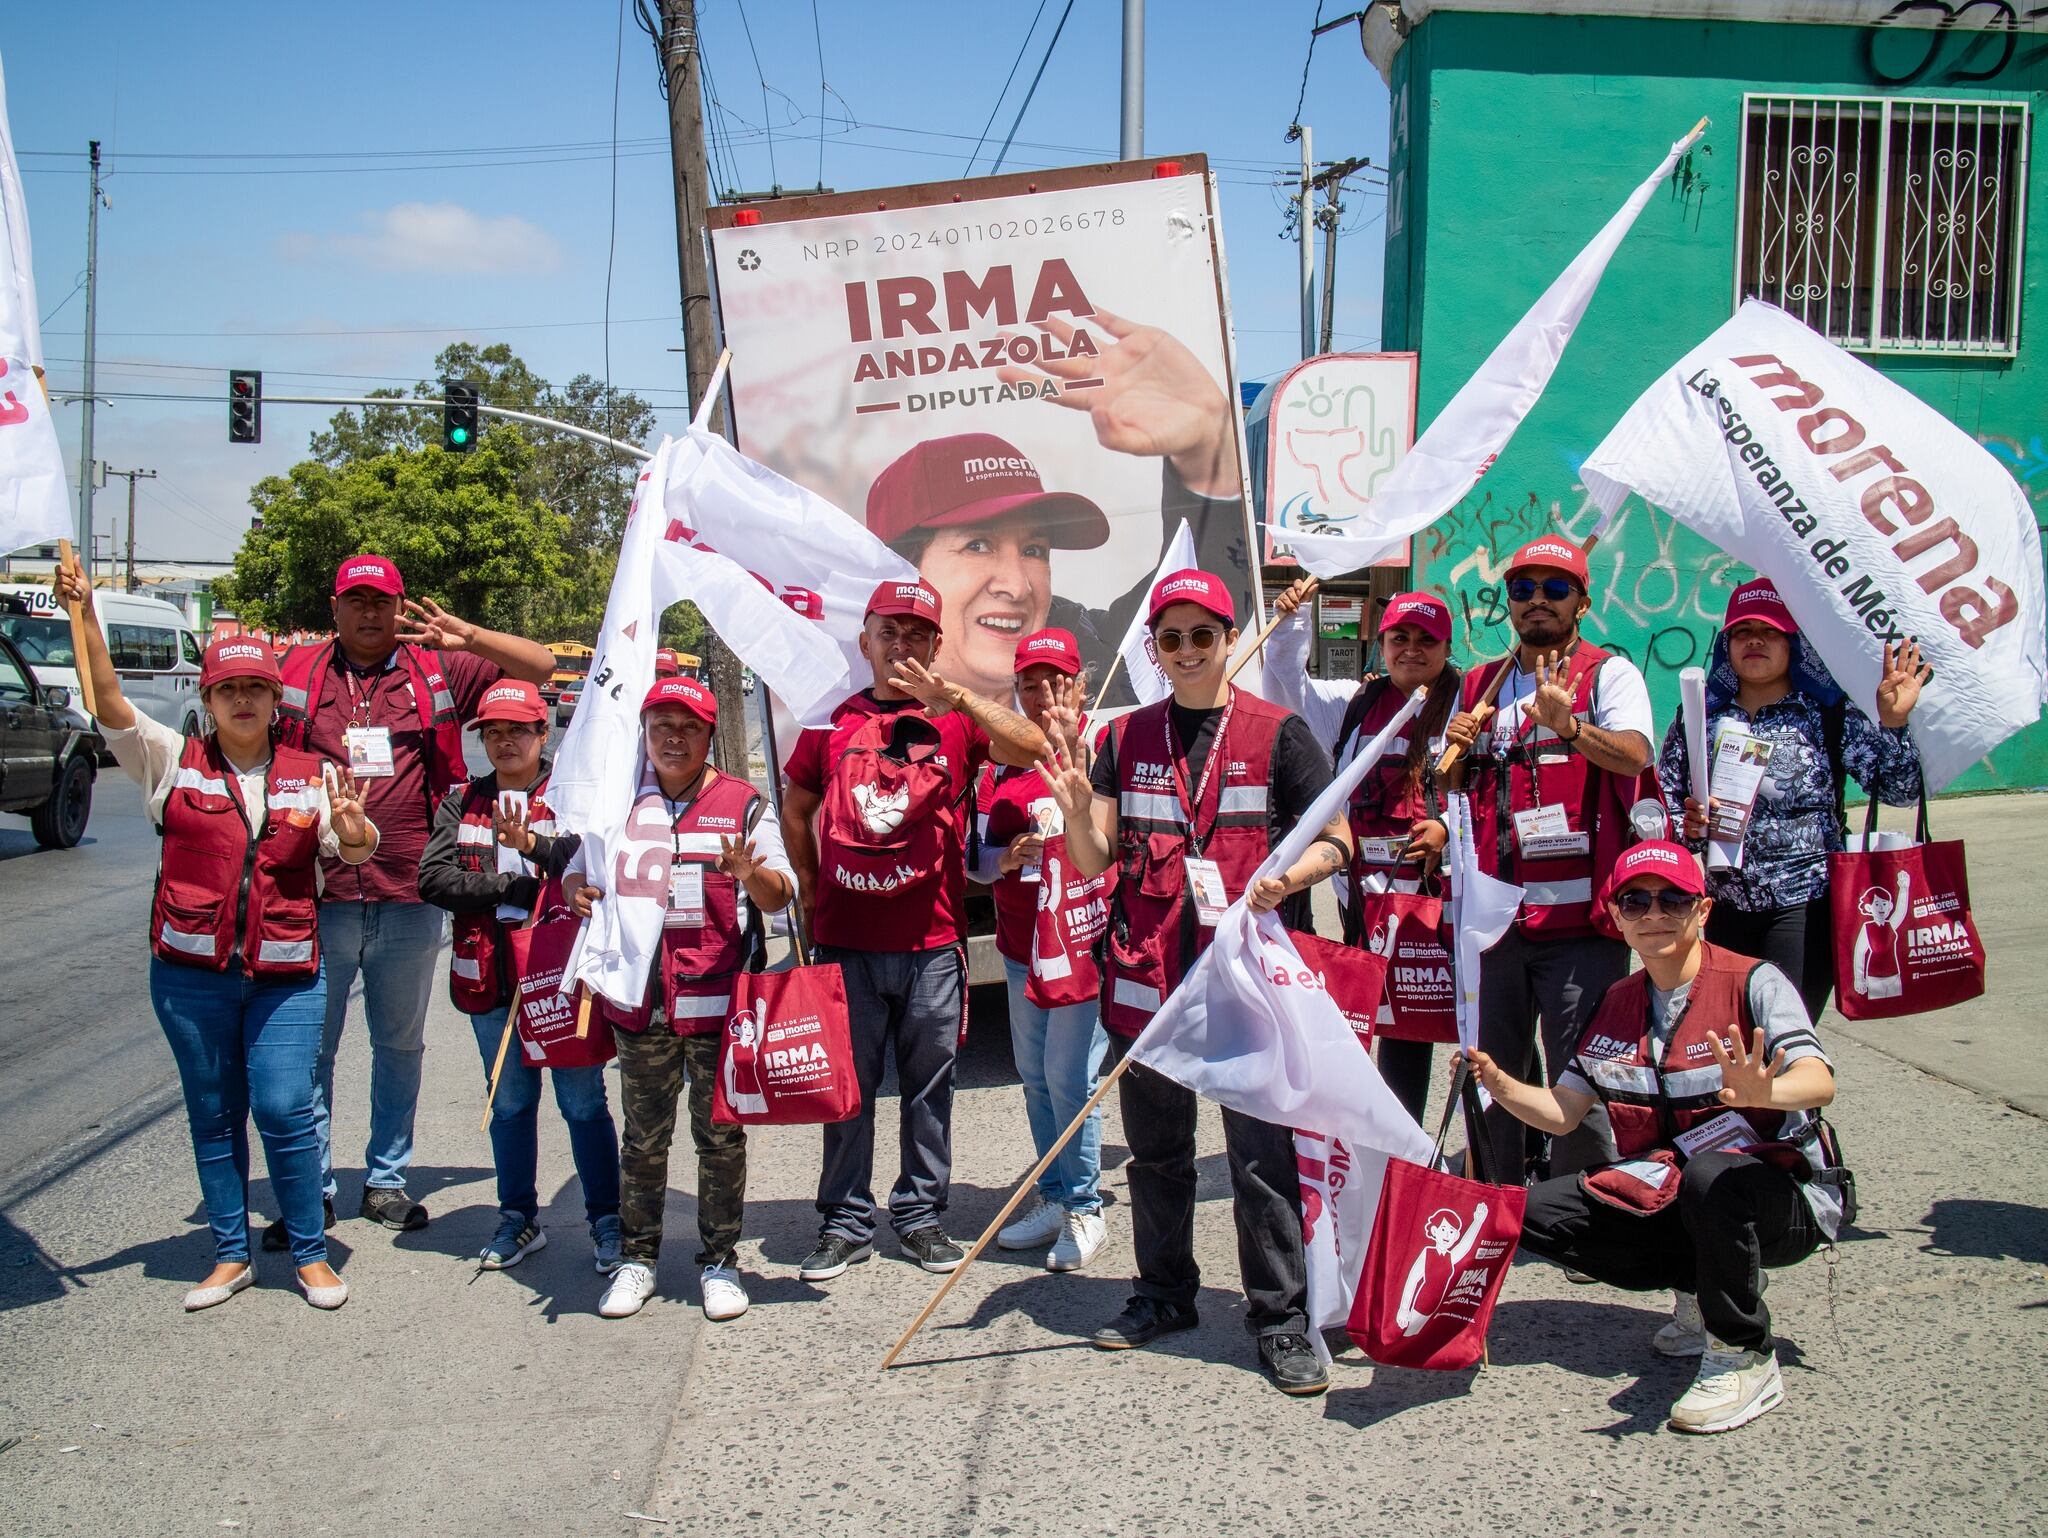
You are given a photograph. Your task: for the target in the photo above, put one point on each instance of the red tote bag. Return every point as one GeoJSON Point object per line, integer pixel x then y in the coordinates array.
{"type": "Point", "coordinates": [1904, 939]}
{"type": "Point", "coordinates": [546, 1016]}
{"type": "Point", "coordinates": [787, 1055]}
{"type": "Point", "coordinates": [1073, 912]}
{"type": "Point", "coordinates": [1405, 929]}
{"type": "Point", "coordinates": [1354, 979]}
{"type": "Point", "coordinates": [1439, 1253]}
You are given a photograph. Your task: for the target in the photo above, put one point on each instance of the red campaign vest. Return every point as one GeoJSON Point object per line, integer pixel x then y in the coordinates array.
{"type": "Point", "coordinates": [479, 962]}
{"type": "Point", "coordinates": [222, 898]}
{"type": "Point", "coordinates": [696, 963]}
{"type": "Point", "coordinates": [1153, 934]}
{"type": "Point", "coordinates": [1016, 900]}
{"type": "Point", "coordinates": [1520, 765]}
{"type": "Point", "coordinates": [306, 670]}
{"type": "Point", "coordinates": [1648, 1103]}
{"type": "Point", "coordinates": [1381, 808]}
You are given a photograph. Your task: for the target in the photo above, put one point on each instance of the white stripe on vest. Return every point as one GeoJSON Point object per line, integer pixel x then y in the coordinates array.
{"type": "Point", "coordinates": [1687, 1083]}
{"type": "Point", "coordinates": [466, 968]}
{"type": "Point", "coordinates": [1135, 995]}
{"type": "Point", "coordinates": [1149, 805]}
{"type": "Point", "coordinates": [1555, 894]}
{"type": "Point", "coordinates": [474, 833]}
{"type": "Point", "coordinates": [1621, 1078]}
{"type": "Point", "coordinates": [187, 778]}
{"type": "Point", "coordinates": [1241, 798]}
{"type": "Point", "coordinates": [285, 950]}
{"type": "Point", "coordinates": [701, 1007]}
{"type": "Point", "coordinates": [191, 945]}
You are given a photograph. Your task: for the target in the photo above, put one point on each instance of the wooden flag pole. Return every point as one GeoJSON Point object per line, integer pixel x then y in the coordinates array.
{"type": "Point", "coordinates": [1308, 591]}
{"type": "Point", "coordinates": [1102, 693]}
{"type": "Point", "coordinates": [1009, 1207]}
{"type": "Point", "coordinates": [68, 560]}
{"type": "Point", "coordinates": [1456, 750]}
{"type": "Point", "coordinates": [504, 1041]}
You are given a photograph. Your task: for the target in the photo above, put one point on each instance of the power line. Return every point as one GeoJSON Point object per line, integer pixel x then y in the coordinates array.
{"type": "Point", "coordinates": [818, 37]}
{"type": "Point", "coordinates": [534, 325]}
{"type": "Point", "coordinates": [611, 248]}
{"type": "Point", "coordinates": [997, 105]}
{"type": "Point", "coordinates": [761, 76]}
{"type": "Point", "coordinates": [1032, 90]}
{"type": "Point", "coordinates": [1314, 30]}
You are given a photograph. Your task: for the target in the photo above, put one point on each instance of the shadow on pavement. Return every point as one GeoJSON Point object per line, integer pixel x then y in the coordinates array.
{"type": "Point", "coordinates": [1988, 1230]}
{"type": "Point", "coordinates": [1391, 1391]}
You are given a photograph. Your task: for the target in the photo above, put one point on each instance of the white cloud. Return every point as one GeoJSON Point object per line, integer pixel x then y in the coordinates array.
{"type": "Point", "coordinates": [434, 237]}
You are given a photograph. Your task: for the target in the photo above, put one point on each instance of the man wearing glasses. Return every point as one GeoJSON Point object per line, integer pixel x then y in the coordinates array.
{"type": "Point", "coordinates": [1552, 771]}
{"type": "Point", "coordinates": [1713, 1079]}
{"type": "Point", "coordinates": [1185, 798]}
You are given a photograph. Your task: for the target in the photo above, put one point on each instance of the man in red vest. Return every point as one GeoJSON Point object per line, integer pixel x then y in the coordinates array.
{"type": "Point", "coordinates": [882, 877]}
{"type": "Point", "coordinates": [1553, 768]}
{"type": "Point", "coordinates": [1186, 798]}
{"type": "Point", "coordinates": [1712, 1077]}
{"type": "Point", "coordinates": [387, 698]}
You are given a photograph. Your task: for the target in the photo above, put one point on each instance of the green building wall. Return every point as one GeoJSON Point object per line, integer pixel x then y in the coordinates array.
{"type": "Point", "coordinates": [1514, 139]}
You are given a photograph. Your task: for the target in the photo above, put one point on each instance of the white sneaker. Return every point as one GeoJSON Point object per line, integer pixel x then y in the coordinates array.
{"type": "Point", "coordinates": [1685, 1332]}
{"type": "Point", "coordinates": [1035, 1230]}
{"type": "Point", "coordinates": [1733, 1388]}
{"type": "Point", "coordinates": [632, 1285]}
{"type": "Point", "coordinates": [724, 1297]}
{"type": "Point", "coordinates": [1081, 1235]}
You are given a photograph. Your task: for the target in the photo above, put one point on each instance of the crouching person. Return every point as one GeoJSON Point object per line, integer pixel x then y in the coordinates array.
{"type": "Point", "coordinates": [725, 865]}
{"type": "Point", "coordinates": [1712, 1077]}
{"type": "Point", "coordinates": [491, 851]}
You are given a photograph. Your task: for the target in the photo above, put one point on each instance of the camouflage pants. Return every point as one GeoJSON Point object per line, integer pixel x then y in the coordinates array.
{"type": "Point", "coordinates": [654, 1066]}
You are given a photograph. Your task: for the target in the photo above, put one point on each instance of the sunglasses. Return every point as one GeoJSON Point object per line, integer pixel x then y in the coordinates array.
{"type": "Point", "coordinates": [1637, 903]}
{"type": "Point", "coordinates": [1556, 589]}
{"type": "Point", "coordinates": [1201, 638]}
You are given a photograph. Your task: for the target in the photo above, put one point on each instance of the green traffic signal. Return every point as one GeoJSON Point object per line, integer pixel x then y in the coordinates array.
{"type": "Point", "coordinates": [460, 419]}
{"type": "Point", "coordinates": [458, 435]}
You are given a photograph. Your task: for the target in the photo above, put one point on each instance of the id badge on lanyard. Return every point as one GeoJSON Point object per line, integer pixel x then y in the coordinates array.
{"type": "Point", "coordinates": [1544, 832]}
{"type": "Point", "coordinates": [369, 747]}
{"type": "Point", "coordinates": [1205, 876]}
{"type": "Point", "coordinates": [685, 908]}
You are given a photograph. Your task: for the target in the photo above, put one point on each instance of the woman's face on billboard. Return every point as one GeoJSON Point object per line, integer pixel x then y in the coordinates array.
{"type": "Point", "coordinates": [995, 581]}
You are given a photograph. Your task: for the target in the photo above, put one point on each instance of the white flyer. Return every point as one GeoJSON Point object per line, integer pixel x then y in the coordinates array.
{"type": "Point", "coordinates": [1740, 764]}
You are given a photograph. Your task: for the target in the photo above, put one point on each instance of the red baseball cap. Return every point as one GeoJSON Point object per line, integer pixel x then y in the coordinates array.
{"type": "Point", "coordinates": [371, 571]}
{"type": "Point", "coordinates": [1055, 648]}
{"type": "Point", "coordinates": [1430, 615]}
{"type": "Point", "coordinates": [510, 699]}
{"type": "Point", "coordinates": [971, 478]}
{"type": "Point", "coordinates": [916, 598]}
{"type": "Point", "coordinates": [1552, 551]}
{"type": "Point", "coordinates": [1191, 586]}
{"type": "Point", "coordinates": [686, 692]}
{"type": "Point", "coordinates": [239, 656]}
{"type": "Point", "coordinates": [1673, 863]}
{"type": "Point", "coordinates": [667, 664]}
{"type": "Point", "coordinates": [1758, 600]}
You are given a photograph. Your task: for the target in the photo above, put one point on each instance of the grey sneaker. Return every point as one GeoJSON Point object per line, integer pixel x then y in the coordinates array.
{"type": "Point", "coordinates": [516, 1238]}
{"type": "Point", "coordinates": [1685, 1332]}
{"type": "Point", "coordinates": [390, 1206]}
{"type": "Point", "coordinates": [1733, 1388]}
{"type": "Point", "coordinates": [605, 1244]}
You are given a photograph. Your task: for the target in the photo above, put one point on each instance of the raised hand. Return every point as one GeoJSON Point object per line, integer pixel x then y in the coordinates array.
{"type": "Point", "coordinates": [345, 805]}
{"type": "Point", "coordinates": [72, 588]}
{"type": "Point", "coordinates": [736, 857]}
{"type": "Point", "coordinates": [510, 818]}
{"type": "Point", "coordinates": [1463, 728]}
{"type": "Point", "coordinates": [1551, 704]}
{"type": "Point", "coordinates": [1898, 687]}
{"type": "Point", "coordinates": [1745, 1074]}
{"type": "Point", "coordinates": [428, 624]}
{"type": "Point", "coordinates": [1298, 593]}
{"type": "Point", "coordinates": [923, 685]}
{"type": "Point", "coordinates": [1065, 772]}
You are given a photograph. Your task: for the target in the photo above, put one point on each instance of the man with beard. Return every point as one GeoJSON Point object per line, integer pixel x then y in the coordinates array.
{"type": "Point", "coordinates": [1553, 769]}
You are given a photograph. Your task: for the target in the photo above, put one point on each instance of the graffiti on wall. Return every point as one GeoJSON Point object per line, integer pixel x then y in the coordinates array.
{"type": "Point", "coordinates": [1951, 41]}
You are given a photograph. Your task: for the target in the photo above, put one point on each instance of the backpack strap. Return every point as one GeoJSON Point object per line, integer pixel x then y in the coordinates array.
{"type": "Point", "coordinates": [1833, 726]}
{"type": "Point", "coordinates": [756, 957]}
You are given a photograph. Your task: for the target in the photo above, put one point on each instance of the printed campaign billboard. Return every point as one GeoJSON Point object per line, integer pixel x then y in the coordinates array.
{"type": "Point", "coordinates": [1022, 383]}
{"type": "Point", "coordinates": [1335, 427]}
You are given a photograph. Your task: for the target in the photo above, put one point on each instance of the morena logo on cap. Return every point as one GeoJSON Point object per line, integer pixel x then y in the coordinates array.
{"type": "Point", "coordinates": [1548, 547]}
{"type": "Point", "coordinates": [505, 692]}
{"type": "Point", "coordinates": [996, 464]}
{"type": "Point", "coordinates": [1046, 643]}
{"type": "Point", "coordinates": [365, 569]}
{"type": "Point", "coordinates": [237, 649]}
{"type": "Point", "coordinates": [1183, 585]}
{"type": "Point", "coordinates": [1645, 854]}
{"type": "Point", "coordinates": [1419, 606]}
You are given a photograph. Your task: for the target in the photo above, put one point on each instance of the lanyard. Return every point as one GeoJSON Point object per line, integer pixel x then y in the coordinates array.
{"type": "Point", "coordinates": [1193, 808]}
{"type": "Point", "coordinates": [676, 811]}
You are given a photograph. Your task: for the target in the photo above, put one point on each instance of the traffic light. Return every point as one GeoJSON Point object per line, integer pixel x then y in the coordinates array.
{"type": "Point", "coordinates": [245, 405]}
{"type": "Point", "coordinates": [459, 416]}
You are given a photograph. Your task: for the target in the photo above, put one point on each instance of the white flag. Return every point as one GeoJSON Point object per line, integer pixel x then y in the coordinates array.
{"type": "Point", "coordinates": [1467, 436]}
{"type": "Point", "coordinates": [21, 331]}
{"type": "Point", "coordinates": [1340, 1196]}
{"type": "Point", "coordinates": [1873, 515]}
{"type": "Point", "coordinates": [35, 499]}
{"type": "Point", "coordinates": [1482, 908]}
{"type": "Point", "coordinates": [1140, 659]}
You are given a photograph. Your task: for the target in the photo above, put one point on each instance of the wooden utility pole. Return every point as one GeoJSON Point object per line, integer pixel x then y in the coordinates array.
{"type": "Point", "coordinates": [1330, 181]}
{"type": "Point", "coordinates": [692, 170]}
{"type": "Point", "coordinates": [131, 476]}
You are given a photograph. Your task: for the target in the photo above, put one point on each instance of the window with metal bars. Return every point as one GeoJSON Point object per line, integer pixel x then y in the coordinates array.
{"type": "Point", "coordinates": [1887, 224]}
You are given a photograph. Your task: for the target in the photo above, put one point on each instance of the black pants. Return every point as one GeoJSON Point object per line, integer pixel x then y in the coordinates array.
{"type": "Point", "coordinates": [1159, 1126]}
{"type": "Point", "coordinates": [1405, 1067]}
{"type": "Point", "coordinates": [1799, 941]}
{"type": "Point", "coordinates": [1734, 1215]}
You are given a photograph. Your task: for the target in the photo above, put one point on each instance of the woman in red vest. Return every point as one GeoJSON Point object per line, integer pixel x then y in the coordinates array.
{"type": "Point", "coordinates": [236, 977]}
{"type": "Point", "coordinates": [1394, 814]}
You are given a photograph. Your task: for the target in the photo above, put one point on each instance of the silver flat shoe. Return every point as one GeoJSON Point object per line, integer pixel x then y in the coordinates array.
{"type": "Point", "coordinates": [209, 1297]}
{"type": "Point", "coordinates": [326, 1297]}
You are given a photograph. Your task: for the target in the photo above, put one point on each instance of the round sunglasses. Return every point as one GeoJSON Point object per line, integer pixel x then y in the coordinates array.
{"type": "Point", "coordinates": [1201, 638]}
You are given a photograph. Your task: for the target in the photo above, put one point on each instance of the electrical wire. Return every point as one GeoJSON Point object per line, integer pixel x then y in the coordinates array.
{"type": "Point", "coordinates": [818, 37]}
{"type": "Point", "coordinates": [774, 181]}
{"type": "Point", "coordinates": [997, 105]}
{"type": "Point", "coordinates": [1025, 105]}
{"type": "Point", "coordinates": [611, 249]}
{"type": "Point", "coordinates": [1302, 95]}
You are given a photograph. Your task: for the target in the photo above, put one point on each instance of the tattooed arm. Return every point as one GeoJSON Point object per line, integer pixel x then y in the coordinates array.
{"type": "Point", "coordinates": [1011, 738]}
{"type": "Point", "coordinates": [1328, 855]}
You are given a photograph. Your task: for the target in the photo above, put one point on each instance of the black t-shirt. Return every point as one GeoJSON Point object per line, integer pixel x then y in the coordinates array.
{"type": "Point", "coordinates": [1301, 769]}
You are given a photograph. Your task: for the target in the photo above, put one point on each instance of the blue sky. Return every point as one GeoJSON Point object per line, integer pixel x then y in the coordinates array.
{"type": "Point", "coordinates": [281, 199]}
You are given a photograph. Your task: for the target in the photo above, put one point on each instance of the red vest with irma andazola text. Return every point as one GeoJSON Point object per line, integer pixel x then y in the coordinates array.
{"type": "Point", "coordinates": [479, 969]}
{"type": "Point", "coordinates": [1384, 807]}
{"type": "Point", "coordinates": [222, 896]}
{"type": "Point", "coordinates": [1154, 935]}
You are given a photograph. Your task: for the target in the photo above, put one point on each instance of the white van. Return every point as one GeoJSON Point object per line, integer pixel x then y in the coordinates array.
{"type": "Point", "coordinates": [152, 647]}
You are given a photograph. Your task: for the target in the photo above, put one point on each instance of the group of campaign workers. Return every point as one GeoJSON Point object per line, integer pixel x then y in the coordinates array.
{"type": "Point", "coordinates": [315, 835]}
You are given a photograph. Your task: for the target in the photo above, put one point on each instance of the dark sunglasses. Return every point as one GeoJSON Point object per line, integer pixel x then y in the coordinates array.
{"type": "Point", "coordinates": [1556, 589]}
{"type": "Point", "coordinates": [1636, 903]}
{"type": "Point", "coordinates": [1201, 638]}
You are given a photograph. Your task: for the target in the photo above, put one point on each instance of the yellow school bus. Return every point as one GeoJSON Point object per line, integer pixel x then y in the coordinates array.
{"type": "Point", "coordinates": [572, 663]}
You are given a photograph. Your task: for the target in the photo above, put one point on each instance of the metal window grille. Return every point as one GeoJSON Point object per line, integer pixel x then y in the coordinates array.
{"type": "Point", "coordinates": [1887, 224]}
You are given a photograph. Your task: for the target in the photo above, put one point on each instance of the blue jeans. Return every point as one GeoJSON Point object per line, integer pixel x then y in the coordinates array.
{"type": "Point", "coordinates": [245, 1047]}
{"type": "Point", "coordinates": [394, 948]}
{"type": "Point", "coordinates": [1059, 1053]}
{"type": "Point", "coordinates": [515, 1127]}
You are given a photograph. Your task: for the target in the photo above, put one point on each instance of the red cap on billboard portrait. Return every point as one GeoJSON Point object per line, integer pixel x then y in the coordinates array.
{"type": "Point", "coordinates": [510, 699]}
{"type": "Point", "coordinates": [1192, 586]}
{"type": "Point", "coordinates": [943, 483]}
{"type": "Point", "coordinates": [919, 600]}
{"type": "Point", "coordinates": [239, 656]}
{"type": "Point", "coordinates": [1658, 857]}
{"type": "Point", "coordinates": [1758, 600]}
{"type": "Point", "coordinates": [686, 692]}
{"type": "Point", "coordinates": [1553, 552]}
{"type": "Point", "coordinates": [1432, 616]}
{"type": "Point", "coordinates": [370, 571]}
{"type": "Point", "coordinates": [667, 664]}
{"type": "Point", "coordinates": [1054, 648]}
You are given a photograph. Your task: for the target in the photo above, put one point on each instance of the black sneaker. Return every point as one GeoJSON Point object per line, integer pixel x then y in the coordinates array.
{"type": "Point", "coordinates": [930, 1248]}
{"type": "Point", "coordinates": [831, 1258]}
{"type": "Point", "coordinates": [1143, 1321]}
{"type": "Point", "coordinates": [1291, 1363]}
{"type": "Point", "coordinates": [390, 1206]}
{"type": "Point", "coordinates": [275, 1238]}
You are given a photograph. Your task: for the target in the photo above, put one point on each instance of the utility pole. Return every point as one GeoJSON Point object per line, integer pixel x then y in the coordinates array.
{"type": "Point", "coordinates": [131, 476]}
{"type": "Point", "coordinates": [1331, 181]}
{"type": "Point", "coordinates": [679, 66]}
{"type": "Point", "coordinates": [92, 257]}
{"type": "Point", "coordinates": [1304, 223]}
{"type": "Point", "coordinates": [1131, 139]}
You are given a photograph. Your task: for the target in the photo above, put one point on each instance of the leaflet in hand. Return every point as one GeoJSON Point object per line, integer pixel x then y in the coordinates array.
{"type": "Point", "coordinates": [1740, 764]}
